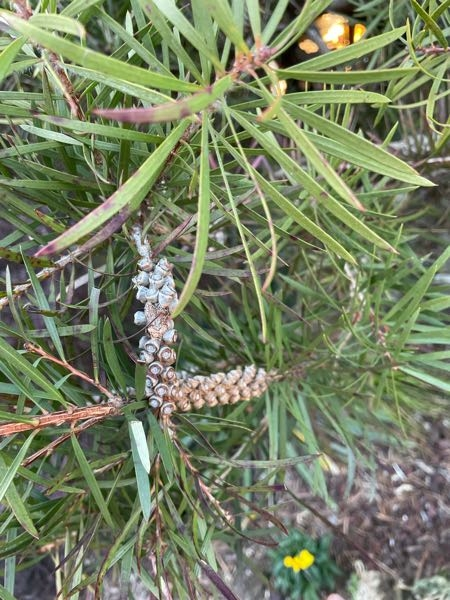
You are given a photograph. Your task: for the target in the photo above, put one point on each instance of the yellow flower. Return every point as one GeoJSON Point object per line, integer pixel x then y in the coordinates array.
{"type": "Point", "coordinates": [300, 562]}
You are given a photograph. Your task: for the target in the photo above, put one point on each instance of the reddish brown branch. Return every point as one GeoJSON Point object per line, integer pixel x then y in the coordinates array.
{"type": "Point", "coordinates": [64, 417]}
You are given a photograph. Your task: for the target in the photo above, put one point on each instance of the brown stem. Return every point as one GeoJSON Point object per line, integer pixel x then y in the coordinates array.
{"type": "Point", "coordinates": [37, 350]}
{"type": "Point", "coordinates": [101, 411]}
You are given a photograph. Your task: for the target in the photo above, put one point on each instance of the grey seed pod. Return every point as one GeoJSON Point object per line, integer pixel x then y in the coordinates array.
{"type": "Point", "coordinates": [169, 286]}
{"type": "Point", "coordinates": [143, 341]}
{"type": "Point", "coordinates": [167, 355]}
{"type": "Point", "coordinates": [151, 381]}
{"type": "Point", "coordinates": [141, 294]}
{"type": "Point", "coordinates": [162, 268]}
{"type": "Point", "coordinates": [152, 294]}
{"type": "Point", "coordinates": [155, 402]}
{"type": "Point", "coordinates": [170, 336]}
{"type": "Point", "coordinates": [152, 345]}
{"type": "Point", "coordinates": [142, 278]}
{"type": "Point", "coordinates": [149, 390]}
{"type": "Point", "coordinates": [145, 264]}
{"type": "Point", "coordinates": [156, 281]}
{"type": "Point", "coordinates": [161, 390]}
{"type": "Point", "coordinates": [167, 408]}
{"type": "Point", "coordinates": [155, 368]}
{"type": "Point", "coordinates": [146, 357]}
{"type": "Point", "coordinates": [169, 374]}
{"type": "Point", "coordinates": [139, 318]}
{"type": "Point", "coordinates": [164, 300]}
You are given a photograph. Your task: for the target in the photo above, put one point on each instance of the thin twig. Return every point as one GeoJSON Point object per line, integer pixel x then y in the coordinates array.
{"type": "Point", "coordinates": [45, 273]}
{"type": "Point", "coordinates": [80, 374]}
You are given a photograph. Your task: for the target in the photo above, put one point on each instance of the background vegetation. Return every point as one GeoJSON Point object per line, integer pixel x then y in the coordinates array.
{"type": "Point", "coordinates": [306, 238]}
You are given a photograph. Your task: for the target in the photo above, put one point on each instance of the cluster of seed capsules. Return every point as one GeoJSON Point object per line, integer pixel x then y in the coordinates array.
{"type": "Point", "coordinates": [156, 290]}
{"type": "Point", "coordinates": [164, 388]}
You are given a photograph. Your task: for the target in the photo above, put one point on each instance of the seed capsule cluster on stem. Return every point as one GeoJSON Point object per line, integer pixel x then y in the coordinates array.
{"type": "Point", "coordinates": [165, 389]}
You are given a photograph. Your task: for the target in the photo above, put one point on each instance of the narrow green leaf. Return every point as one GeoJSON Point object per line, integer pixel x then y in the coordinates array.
{"type": "Point", "coordinates": [9, 490]}
{"type": "Point", "coordinates": [5, 595]}
{"type": "Point", "coordinates": [174, 14]}
{"type": "Point", "coordinates": [128, 196]}
{"type": "Point", "coordinates": [58, 23]}
{"type": "Point", "coordinates": [8, 55]}
{"type": "Point", "coordinates": [141, 461]}
{"type": "Point", "coordinates": [220, 11]}
{"type": "Point", "coordinates": [93, 486]}
{"type": "Point", "coordinates": [111, 356]}
{"type": "Point", "coordinates": [47, 134]}
{"type": "Point", "coordinates": [359, 150]}
{"type": "Point", "coordinates": [163, 444]}
{"type": "Point", "coordinates": [43, 304]}
{"type": "Point", "coordinates": [95, 60]}
{"type": "Point", "coordinates": [8, 473]}
{"type": "Point", "coordinates": [430, 23]}
{"type": "Point", "coordinates": [336, 97]}
{"type": "Point", "coordinates": [139, 443]}
{"type": "Point", "coordinates": [21, 365]}
{"type": "Point", "coordinates": [297, 174]}
{"type": "Point", "coordinates": [114, 132]}
{"type": "Point", "coordinates": [347, 77]}
{"type": "Point", "coordinates": [203, 217]}
{"type": "Point", "coordinates": [416, 293]}
{"type": "Point", "coordinates": [320, 164]}
{"type": "Point", "coordinates": [292, 211]}
{"type": "Point", "coordinates": [79, 6]}
{"type": "Point", "coordinates": [351, 52]}
{"type": "Point", "coordinates": [426, 378]}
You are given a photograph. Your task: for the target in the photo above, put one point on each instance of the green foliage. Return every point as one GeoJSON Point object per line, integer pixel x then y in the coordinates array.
{"type": "Point", "coordinates": [309, 583]}
{"type": "Point", "coordinates": [300, 243]}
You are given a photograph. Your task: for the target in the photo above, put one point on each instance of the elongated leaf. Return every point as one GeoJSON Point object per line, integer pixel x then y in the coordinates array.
{"type": "Point", "coordinates": [95, 60]}
{"type": "Point", "coordinates": [203, 218]}
{"type": "Point", "coordinates": [172, 111]}
{"type": "Point", "coordinates": [427, 378]}
{"type": "Point", "coordinates": [41, 298]}
{"type": "Point", "coordinates": [352, 52]}
{"type": "Point", "coordinates": [318, 161]}
{"type": "Point", "coordinates": [174, 14]}
{"type": "Point", "coordinates": [359, 149]}
{"type": "Point", "coordinates": [111, 356]}
{"type": "Point", "coordinates": [430, 23]}
{"type": "Point", "coordinates": [8, 489]}
{"type": "Point", "coordinates": [162, 443]}
{"type": "Point", "coordinates": [59, 23]}
{"type": "Point", "coordinates": [293, 169]}
{"type": "Point", "coordinates": [21, 365]}
{"type": "Point", "coordinates": [128, 196]}
{"type": "Point", "coordinates": [347, 77]}
{"type": "Point", "coordinates": [292, 211]}
{"type": "Point", "coordinates": [141, 461]}
{"type": "Point", "coordinates": [93, 486]}
{"type": "Point", "coordinates": [220, 11]}
{"type": "Point", "coordinates": [8, 55]}
{"type": "Point", "coordinates": [117, 133]}
{"type": "Point", "coordinates": [336, 97]}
